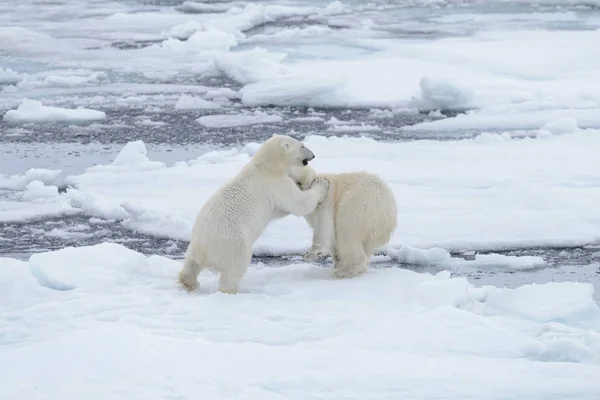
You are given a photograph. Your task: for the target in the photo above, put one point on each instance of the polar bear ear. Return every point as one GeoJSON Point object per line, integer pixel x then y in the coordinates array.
{"type": "Point", "coordinates": [275, 135]}
{"type": "Point", "coordinates": [285, 146]}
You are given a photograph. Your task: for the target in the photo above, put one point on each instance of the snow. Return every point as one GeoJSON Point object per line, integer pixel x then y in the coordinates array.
{"type": "Point", "coordinates": [497, 60]}
{"type": "Point", "coordinates": [187, 102]}
{"type": "Point", "coordinates": [437, 256]}
{"type": "Point", "coordinates": [353, 128]}
{"type": "Point", "coordinates": [449, 74]}
{"type": "Point", "coordinates": [134, 153]}
{"type": "Point", "coordinates": [561, 126]}
{"type": "Point", "coordinates": [35, 111]}
{"type": "Point", "coordinates": [104, 321]}
{"type": "Point", "coordinates": [507, 262]}
{"type": "Point", "coordinates": [225, 121]}
{"type": "Point", "coordinates": [20, 182]}
{"type": "Point", "coordinates": [407, 329]}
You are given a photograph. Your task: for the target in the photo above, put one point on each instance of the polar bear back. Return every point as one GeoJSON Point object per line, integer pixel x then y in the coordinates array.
{"type": "Point", "coordinates": [363, 205]}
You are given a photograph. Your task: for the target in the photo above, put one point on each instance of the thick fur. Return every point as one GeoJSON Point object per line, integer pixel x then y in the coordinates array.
{"type": "Point", "coordinates": [357, 217]}
{"type": "Point", "coordinates": [234, 217]}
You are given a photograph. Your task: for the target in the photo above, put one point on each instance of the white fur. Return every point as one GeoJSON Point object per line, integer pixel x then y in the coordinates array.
{"type": "Point", "coordinates": [234, 217]}
{"type": "Point", "coordinates": [357, 216]}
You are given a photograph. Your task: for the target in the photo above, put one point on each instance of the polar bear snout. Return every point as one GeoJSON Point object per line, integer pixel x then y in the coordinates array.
{"type": "Point", "coordinates": [307, 155]}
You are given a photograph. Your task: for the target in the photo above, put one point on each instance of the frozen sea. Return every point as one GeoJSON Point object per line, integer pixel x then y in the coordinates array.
{"type": "Point", "coordinates": [118, 119]}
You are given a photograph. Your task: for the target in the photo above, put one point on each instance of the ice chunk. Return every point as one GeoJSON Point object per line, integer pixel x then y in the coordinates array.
{"type": "Point", "coordinates": [20, 182]}
{"type": "Point", "coordinates": [550, 302]}
{"type": "Point", "coordinates": [504, 261]}
{"type": "Point", "coordinates": [561, 126]}
{"type": "Point", "coordinates": [149, 122]}
{"type": "Point", "coordinates": [250, 66]}
{"type": "Point", "coordinates": [187, 102]}
{"type": "Point", "coordinates": [445, 94]}
{"type": "Point", "coordinates": [295, 91]}
{"type": "Point", "coordinates": [192, 7]}
{"type": "Point", "coordinates": [34, 111]}
{"type": "Point", "coordinates": [410, 255]}
{"type": "Point", "coordinates": [225, 93]}
{"type": "Point", "coordinates": [354, 128]}
{"type": "Point", "coordinates": [36, 190]}
{"type": "Point", "coordinates": [19, 39]}
{"type": "Point", "coordinates": [212, 39]}
{"type": "Point", "coordinates": [8, 76]}
{"type": "Point", "coordinates": [225, 121]}
{"type": "Point", "coordinates": [134, 153]}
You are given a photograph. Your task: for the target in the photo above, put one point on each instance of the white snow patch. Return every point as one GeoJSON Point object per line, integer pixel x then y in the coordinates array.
{"type": "Point", "coordinates": [20, 182]}
{"type": "Point", "coordinates": [225, 93]}
{"type": "Point", "coordinates": [227, 120]}
{"type": "Point", "coordinates": [187, 102]}
{"type": "Point", "coordinates": [250, 66]}
{"type": "Point", "coordinates": [561, 126]}
{"type": "Point", "coordinates": [503, 261]}
{"type": "Point", "coordinates": [134, 154]}
{"type": "Point", "coordinates": [149, 122]}
{"type": "Point", "coordinates": [207, 7]}
{"type": "Point", "coordinates": [67, 234]}
{"type": "Point", "coordinates": [306, 119]}
{"type": "Point", "coordinates": [410, 255]}
{"type": "Point", "coordinates": [512, 120]}
{"type": "Point", "coordinates": [36, 190]}
{"type": "Point", "coordinates": [440, 93]}
{"type": "Point", "coordinates": [35, 111]}
{"type": "Point", "coordinates": [354, 128]}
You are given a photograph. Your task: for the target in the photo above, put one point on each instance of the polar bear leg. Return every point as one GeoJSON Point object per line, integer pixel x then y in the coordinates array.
{"type": "Point", "coordinates": [234, 271]}
{"type": "Point", "coordinates": [321, 220]}
{"type": "Point", "coordinates": [188, 276]}
{"type": "Point", "coordinates": [350, 258]}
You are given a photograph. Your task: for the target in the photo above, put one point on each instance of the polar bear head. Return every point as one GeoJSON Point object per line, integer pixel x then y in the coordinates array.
{"type": "Point", "coordinates": [283, 152]}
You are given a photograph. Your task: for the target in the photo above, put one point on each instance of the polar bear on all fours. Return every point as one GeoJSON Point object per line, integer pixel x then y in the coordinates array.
{"type": "Point", "coordinates": [234, 217]}
{"type": "Point", "coordinates": [357, 217]}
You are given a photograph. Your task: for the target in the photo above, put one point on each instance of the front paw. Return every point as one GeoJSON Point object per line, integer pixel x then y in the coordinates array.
{"type": "Point", "coordinates": [315, 255]}
{"type": "Point", "coordinates": [322, 185]}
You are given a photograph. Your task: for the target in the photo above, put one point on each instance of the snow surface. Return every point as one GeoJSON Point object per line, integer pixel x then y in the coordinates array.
{"type": "Point", "coordinates": [107, 322]}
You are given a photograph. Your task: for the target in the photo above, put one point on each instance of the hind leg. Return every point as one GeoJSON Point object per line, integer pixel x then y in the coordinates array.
{"type": "Point", "coordinates": [188, 276]}
{"type": "Point", "coordinates": [350, 257]}
{"type": "Point", "coordinates": [233, 272]}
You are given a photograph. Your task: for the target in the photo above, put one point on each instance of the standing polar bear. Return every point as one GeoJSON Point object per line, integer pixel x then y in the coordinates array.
{"type": "Point", "coordinates": [357, 217]}
{"type": "Point", "coordinates": [234, 217]}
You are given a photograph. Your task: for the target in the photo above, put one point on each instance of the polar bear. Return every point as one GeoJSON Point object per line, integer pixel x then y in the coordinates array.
{"type": "Point", "coordinates": [357, 216]}
{"type": "Point", "coordinates": [235, 215]}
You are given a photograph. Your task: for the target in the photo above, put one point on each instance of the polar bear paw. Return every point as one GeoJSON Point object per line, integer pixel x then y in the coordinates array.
{"type": "Point", "coordinates": [323, 185]}
{"type": "Point", "coordinates": [345, 273]}
{"type": "Point", "coordinates": [315, 255]}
